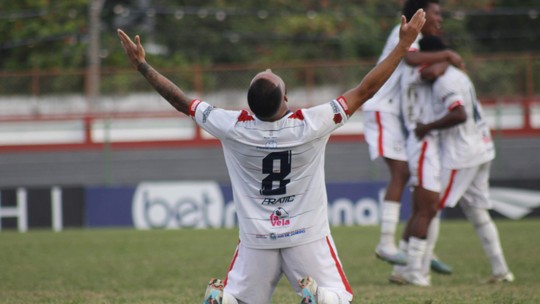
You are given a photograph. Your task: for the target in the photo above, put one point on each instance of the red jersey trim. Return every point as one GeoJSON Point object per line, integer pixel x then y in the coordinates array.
{"type": "Point", "coordinates": [245, 116]}
{"type": "Point", "coordinates": [421, 161]}
{"type": "Point", "coordinates": [442, 203]}
{"type": "Point", "coordinates": [455, 105]}
{"type": "Point", "coordinates": [297, 115]}
{"type": "Point", "coordinates": [343, 102]}
{"type": "Point", "coordinates": [232, 263]}
{"type": "Point", "coordinates": [193, 106]}
{"type": "Point", "coordinates": [380, 139]}
{"type": "Point", "coordinates": [423, 67]}
{"type": "Point", "coordinates": [339, 267]}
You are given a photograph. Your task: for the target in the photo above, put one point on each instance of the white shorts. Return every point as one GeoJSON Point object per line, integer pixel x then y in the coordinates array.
{"type": "Point", "coordinates": [385, 135]}
{"type": "Point", "coordinates": [255, 273]}
{"type": "Point", "coordinates": [424, 162]}
{"type": "Point", "coordinates": [470, 185]}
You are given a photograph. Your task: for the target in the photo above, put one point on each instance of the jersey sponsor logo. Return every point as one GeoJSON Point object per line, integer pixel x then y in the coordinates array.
{"type": "Point", "coordinates": [280, 200]}
{"type": "Point", "coordinates": [275, 236]}
{"type": "Point", "coordinates": [206, 113]}
{"type": "Point", "coordinates": [280, 218]}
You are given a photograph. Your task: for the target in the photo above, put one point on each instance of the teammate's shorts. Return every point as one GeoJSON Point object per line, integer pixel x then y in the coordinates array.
{"type": "Point", "coordinates": [469, 185]}
{"type": "Point", "coordinates": [385, 135]}
{"type": "Point", "coordinates": [255, 273]}
{"type": "Point", "coordinates": [424, 162]}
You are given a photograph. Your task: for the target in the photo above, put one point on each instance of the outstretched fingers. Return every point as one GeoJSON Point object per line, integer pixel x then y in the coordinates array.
{"type": "Point", "coordinates": [418, 20]}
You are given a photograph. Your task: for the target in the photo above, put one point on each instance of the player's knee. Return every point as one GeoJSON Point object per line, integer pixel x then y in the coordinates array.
{"type": "Point", "coordinates": [476, 216]}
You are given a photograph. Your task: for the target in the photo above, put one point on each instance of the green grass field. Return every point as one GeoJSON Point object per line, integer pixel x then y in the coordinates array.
{"type": "Point", "coordinates": [173, 266]}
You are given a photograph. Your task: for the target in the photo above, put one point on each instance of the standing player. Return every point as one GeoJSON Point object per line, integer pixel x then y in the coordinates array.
{"type": "Point", "coordinates": [277, 155]}
{"type": "Point", "coordinates": [467, 153]}
{"type": "Point", "coordinates": [383, 127]}
{"type": "Point", "coordinates": [424, 165]}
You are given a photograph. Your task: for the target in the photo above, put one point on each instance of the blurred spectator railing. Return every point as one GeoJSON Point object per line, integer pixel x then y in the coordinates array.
{"type": "Point", "coordinates": [47, 110]}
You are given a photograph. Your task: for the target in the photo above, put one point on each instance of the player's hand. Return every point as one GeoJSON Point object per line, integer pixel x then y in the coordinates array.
{"type": "Point", "coordinates": [409, 31]}
{"type": "Point", "coordinates": [421, 130]}
{"type": "Point", "coordinates": [456, 60]}
{"type": "Point", "coordinates": [134, 50]}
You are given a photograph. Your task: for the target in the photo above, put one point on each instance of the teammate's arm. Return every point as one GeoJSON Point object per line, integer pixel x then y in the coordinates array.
{"type": "Point", "coordinates": [373, 81]}
{"type": "Point", "coordinates": [455, 117]}
{"type": "Point", "coordinates": [423, 58]}
{"type": "Point", "coordinates": [432, 72]}
{"type": "Point", "coordinates": [172, 93]}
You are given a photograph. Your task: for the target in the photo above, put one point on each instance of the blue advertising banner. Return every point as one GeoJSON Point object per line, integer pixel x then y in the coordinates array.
{"type": "Point", "coordinates": [109, 207]}
{"type": "Point", "coordinates": [207, 204]}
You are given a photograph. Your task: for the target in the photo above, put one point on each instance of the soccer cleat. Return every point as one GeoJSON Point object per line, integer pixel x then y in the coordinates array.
{"type": "Point", "coordinates": [214, 292]}
{"type": "Point", "coordinates": [439, 267]}
{"type": "Point", "coordinates": [501, 278]}
{"type": "Point", "coordinates": [410, 278]}
{"type": "Point", "coordinates": [397, 278]}
{"type": "Point", "coordinates": [394, 258]}
{"type": "Point", "coordinates": [309, 290]}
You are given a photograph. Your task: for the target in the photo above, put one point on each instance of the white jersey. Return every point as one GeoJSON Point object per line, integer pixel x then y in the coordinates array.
{"type": "Point", "coordinates": [276, 170]}
{"type": "Point", "coordinates": [417, 107]}
{"type": "Point", "coordinates": [468, 144]}
{"type": "Point", "coordinates": [387, 99]}
{"type": "Point", "coordinates": [417, 99]}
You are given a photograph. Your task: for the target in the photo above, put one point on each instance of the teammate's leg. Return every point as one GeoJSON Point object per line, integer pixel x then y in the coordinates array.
{"type": "Point", "coordinates": [425, 208]}
{"type": "Point", "coordinates": [386, 248]}
{"type": "Point", "coordinates": [489, 237]}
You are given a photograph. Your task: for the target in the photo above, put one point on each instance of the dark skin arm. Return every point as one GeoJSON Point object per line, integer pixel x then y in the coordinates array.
{"type": "Point", "coordinates": [374, 80]}
{"type": "Point", "coordinates": [432, 72]}
{"type": "Point", "coordinates": [355, 97]}
{"type": "Point", "coordinates": [168, 90]}
{"type": "Point", "coordinates": [421, 58]}
{"type": "Point", "coordinates": [453, 118]}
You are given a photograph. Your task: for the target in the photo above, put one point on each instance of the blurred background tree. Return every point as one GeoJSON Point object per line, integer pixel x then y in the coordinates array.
{"type": "Point", "coordinates": [54, 34]}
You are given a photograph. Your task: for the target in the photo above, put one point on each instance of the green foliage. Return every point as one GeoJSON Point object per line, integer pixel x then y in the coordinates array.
{"type": "Point", "coordinates": [42, 34]}
{"type": "Point", "coordinates": [173, 266]}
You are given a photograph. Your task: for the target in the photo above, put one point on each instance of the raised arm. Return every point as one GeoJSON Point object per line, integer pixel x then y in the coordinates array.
{"type": "Point", "coordinates": [422, 58]}
{"type": "Point", "coordinates": [374, 80]}
{"type": "Point", "coordinates": [172, 93]}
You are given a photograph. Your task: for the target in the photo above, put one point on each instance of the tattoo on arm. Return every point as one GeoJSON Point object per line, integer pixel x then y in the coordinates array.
{"type": "Point", "coordinates": [165, 88]}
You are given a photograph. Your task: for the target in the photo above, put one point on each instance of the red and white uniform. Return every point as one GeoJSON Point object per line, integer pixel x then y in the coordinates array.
{"type": "Point", "coordinates": [417, 107]}
{"type": "Point", "coordinates": [382, 125]}
{"type": "Point", "coordinates": [467, 148]}
{"type": "Point", "coordinates": [278, 182]}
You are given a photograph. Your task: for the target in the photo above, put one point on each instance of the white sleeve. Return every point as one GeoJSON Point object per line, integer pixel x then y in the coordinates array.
{"type": "Point", "coordinates": [325, 118]}
{"type": "Point", "coordinates": [445, 92]}
{"type": "Point", "coordinates": [215, 121]}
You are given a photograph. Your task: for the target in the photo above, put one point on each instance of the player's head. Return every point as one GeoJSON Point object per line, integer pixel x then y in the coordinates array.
{"type": "Point", "coordinates": [267, 95]}
{"type": "Point", "coordinates": [433, 14]}
{"type": "Point", "coordinates": [432, 44]}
